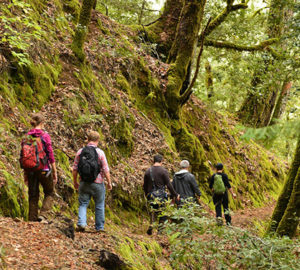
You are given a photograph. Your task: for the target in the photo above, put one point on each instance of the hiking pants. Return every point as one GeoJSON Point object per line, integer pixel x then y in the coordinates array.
{"type": "Point", "coordinates": [155, 213]}
{"type": "Point", "coordinates": [86, 192]}
{"type": "Point", "coordinates": [34, 181]}
{"type": "Point", "coordinates": [220, 200]}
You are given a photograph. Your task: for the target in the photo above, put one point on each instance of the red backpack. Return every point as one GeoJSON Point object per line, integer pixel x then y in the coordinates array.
{"type": "Point", "coordinates": [33, 156]}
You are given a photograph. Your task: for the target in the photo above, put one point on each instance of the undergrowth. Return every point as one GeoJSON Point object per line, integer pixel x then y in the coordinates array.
{"type": "Point", "coordinates": [197, 242]}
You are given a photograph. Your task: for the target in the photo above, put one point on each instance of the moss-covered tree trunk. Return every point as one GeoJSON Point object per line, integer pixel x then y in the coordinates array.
{"type": "Point", "coordinates": [209, 80]}
{"type": "Point", "coordinates": [258, 108]}
{"type": "Point", "coordinates": [82, 28]}
{"type": "Point", "coordinates": [282, 100]}
{"type": "Point", "coordinates": [182, 52]}
{"type": "Point", "coordinates": [286, 194]}
{"type": "Point", "coordinates": [163, 30]}
{"type": "Point", "coordinates": [290, 220]}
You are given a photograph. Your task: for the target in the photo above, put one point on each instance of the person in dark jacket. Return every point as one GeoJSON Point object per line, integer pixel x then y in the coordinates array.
{"type": "Point", "coordinates": [160, 176]}
{"type": "Point", "coordinates": [185, 184]}
{"type": "Point", "coordinates": [221, 199]}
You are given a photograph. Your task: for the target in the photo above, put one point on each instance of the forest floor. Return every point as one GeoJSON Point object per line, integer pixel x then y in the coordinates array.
{"type": "Point", "coordinates": [31, 245]}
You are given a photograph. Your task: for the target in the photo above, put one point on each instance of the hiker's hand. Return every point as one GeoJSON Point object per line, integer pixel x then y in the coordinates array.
{"type": "Point", "coordinates": [109, 186]}
{"type": "Point", "coordinates": [55, 178]}
{"type": "Point", "coordinates": [234, 195]}
{"type": "Point", "coordinates": [76, 186]}
{"type": "Point", "coordinates": [178, 198]}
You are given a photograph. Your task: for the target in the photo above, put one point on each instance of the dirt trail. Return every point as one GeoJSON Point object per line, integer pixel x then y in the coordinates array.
{"type": "Point", "coordinates": [31, 245]}
{"type": "Point", "coordinates": [247, 217]}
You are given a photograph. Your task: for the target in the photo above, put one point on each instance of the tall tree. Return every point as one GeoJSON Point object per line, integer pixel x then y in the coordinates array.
{"type": "Point", "coordinates": [163, 31]}
{"type": "Point", "coordinates": [267, 84]}
{"type": "Point", "coordinates": [286, 214]}
{"type": "Point", "coordinates": [209, 80]}
{"type": "Point", "coordinates": [82, 28]}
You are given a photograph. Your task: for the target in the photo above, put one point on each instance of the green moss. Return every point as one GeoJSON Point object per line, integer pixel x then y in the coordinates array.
{"type": "Point", "coordinates": [141, 255]}
{"type": "Point", "coordinates": [82, 29]}
{"type": "Point", "coordinates": [128, 200]}
{"type": "Point", "coordinates": [104, 30]}
{"type": "Point", "coordinates": [34, 84]}
{"type": "Point", "coordinates": [190, 148]}
{"type": "Point", "coordinates": [13, 202]}
{"type": "Point", "coordinates": [123, 83]}
{"type": "Point", "coordinates": [122, 132]}
{"type": "Point", "coordinates": [72, 7]}
{"type": "Point", "coordinates": [91, 86]}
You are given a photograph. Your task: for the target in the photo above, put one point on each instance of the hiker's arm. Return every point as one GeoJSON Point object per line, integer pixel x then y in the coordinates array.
{"type": "Point", "coordinates": [75, 182]}
{"type": "Point", "coordinates": [227, 184]}
{"type": "Point", "coordinates": [105, 168]}
{"type": "Point", "coordinates": [50, 154]}
{"type": "Point", "coordinates": [170, 186]}
{"type": "Point", "coordinates": [211, 182]}
{"type": "Point", "coordinates": [232, 193]}
{"type": "Point", "coordinates": [53, 167]}
{"type": "Point", "coordinates": [75, 170]}
{"type": "Point", "coordinates": [145, 185]}
{"type": "Point", "coordinates": [195, 187]}
{"type": "Point", "coordinates": [107, 177]}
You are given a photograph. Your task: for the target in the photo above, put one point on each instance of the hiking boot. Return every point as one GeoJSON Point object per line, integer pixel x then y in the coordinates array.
{"type": "Point", "coordinates": [101, 231]}
{"type": "Point", "coordinates": [149, 231]}
{"type": "Point", "coordinates": [80, 228]}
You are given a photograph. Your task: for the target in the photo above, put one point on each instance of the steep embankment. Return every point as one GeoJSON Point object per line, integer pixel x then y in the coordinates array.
{"type": "Point", "coordinates": [117, 91]}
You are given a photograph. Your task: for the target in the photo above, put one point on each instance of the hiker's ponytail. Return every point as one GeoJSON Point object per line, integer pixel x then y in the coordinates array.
{"type": "Point", "coordinates": [37, 119]}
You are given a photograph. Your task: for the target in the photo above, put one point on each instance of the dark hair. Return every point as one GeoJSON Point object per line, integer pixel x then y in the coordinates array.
{"type": "Point", "coordinates": [219, 166]}
{"type": "Point", "coordinates": [158, 158]}
{"type": "Point", "coordinates": [36, 119]}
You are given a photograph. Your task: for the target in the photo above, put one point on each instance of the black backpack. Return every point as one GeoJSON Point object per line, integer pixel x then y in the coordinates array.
{"type": "Point", "coordinates": [88, 166]}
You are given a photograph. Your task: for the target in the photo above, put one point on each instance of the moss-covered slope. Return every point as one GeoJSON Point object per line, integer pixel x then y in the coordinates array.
{"type": "Point", "coordinates": [117, 90]}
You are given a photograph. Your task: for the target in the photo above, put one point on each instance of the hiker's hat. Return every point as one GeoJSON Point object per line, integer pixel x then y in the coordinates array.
{"type": "Point", "coordinates": [219, 166]}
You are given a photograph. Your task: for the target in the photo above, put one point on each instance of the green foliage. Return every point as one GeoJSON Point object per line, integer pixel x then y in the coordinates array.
{"type": "Point", "coordinates": [2, 258]}
{"type": "Point", "coordinates": [197, 242]}
{"type": "Point", "coordinates": [20, 30]}
{"type": "Point", "coordinates": [128, 12]}
{"type": "Point", "coordinates": [141, 255]}
{"type": "Point", "coordinates": [281, 136]}
{"type": "Point", "coordinates": [13, 201]}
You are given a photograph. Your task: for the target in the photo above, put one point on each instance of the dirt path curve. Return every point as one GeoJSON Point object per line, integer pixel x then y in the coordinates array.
{"type": "Point", "coordinates": [249, 217]}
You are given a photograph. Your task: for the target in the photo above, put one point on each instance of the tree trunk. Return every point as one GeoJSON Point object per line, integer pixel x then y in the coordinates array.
{"type": "Point", "coordinates": [182, 52]}
{"type": "Point", "coordinates": [140, 18]}
{"type": "Point", "coordinates": [209, 80]}
{"type": "Point", "coordinates": [282, 100]}
{"type": "Point", "coordinates": [82, 29]}
{"type": "Point", "coordinates": [290, 220]}
{"type": "Point", "coordinates": [164, 30]}
{"type": "Point", "coordinates": [286, 193]}
{"type": "Point", "coordinates": [259, 105]}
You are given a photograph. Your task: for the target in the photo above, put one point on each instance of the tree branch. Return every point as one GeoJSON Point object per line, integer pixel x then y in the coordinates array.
{"type": "Point", "coordinates": [223, 15]}
{"type": "Point", "coordinates": [186, 95]}
{"type": "Point", "coordinates": [239, 47]}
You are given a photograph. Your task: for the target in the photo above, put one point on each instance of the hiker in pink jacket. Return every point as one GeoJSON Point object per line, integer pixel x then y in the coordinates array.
{"type": "Point", "coordinates": [47, 176]}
